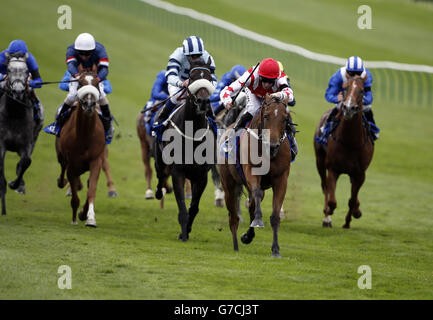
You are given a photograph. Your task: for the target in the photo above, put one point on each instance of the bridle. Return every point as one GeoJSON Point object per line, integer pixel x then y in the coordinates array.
{"type": "Point", "coordinates": [356, 108]}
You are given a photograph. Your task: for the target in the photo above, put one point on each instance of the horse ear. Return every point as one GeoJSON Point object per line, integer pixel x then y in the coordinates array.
{"type": "Point", "coordinates": [364, 77]}
{"type": "Point", "coordinates": [80, 68]}
{"type": "Point", "coordinates": [209, 61]}
{"type": "Point", "coordinates": [268, 98]}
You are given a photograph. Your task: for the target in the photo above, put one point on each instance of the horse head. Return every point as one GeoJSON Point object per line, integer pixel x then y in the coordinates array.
{"type": "Point", "coordinates": [17, 75]}
{"type": "Point", "coordinates": [352, 97]}
{"type": "Point", "coordinates": [200, 85]}
{"type": "Point", "coordinates": [88, 91]}
{"type": "Point", "coordinates": [274, 118]}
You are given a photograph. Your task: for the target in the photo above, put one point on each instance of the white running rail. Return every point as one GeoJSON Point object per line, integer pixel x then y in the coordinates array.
{"type": "Point", "coordinates": [279, 44]}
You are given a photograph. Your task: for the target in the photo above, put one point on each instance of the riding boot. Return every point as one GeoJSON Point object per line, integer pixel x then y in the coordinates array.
{"type": "Point", "coordinates": [62, 116]}
{"type": "Point", "coordinates": [373, 128]}
{"type": "Point", "coordinates": [291, 131]}
{"type": "Point", "coordinates": [245, 118]}
{"type": "Point", "coordinates": [165, 112]}
{"type": "Point", "coordinates": [106, 119]}
{"type": "Point", "coordinates": [330, 121]}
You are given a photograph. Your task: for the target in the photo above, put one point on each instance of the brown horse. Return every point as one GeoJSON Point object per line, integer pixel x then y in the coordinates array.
{"type": "Point", "coordinates": [81, 147]}
{"type": "Point", "coordinates": [349, 150]}
{"type": "Point", "coordinates": [273, 117]}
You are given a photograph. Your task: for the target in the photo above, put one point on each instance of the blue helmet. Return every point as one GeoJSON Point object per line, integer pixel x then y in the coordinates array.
{"type": "Point", "coordinates": [237, 71]}
{"type": "Point", "coordinates": [17, 46]}
{"type": "Point", "coordinates": [193, 45]}
{"type": "Point", "coordinates": [355, 64]}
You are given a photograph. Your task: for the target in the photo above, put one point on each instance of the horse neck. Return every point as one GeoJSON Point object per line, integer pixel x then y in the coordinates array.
{"type": "Point", "coordinates": [351, 131]}
{"type": "Point", "coordinates": [84, 124]}
{"type": "Point", "coordinates": [199, 120]}
{"type": "Point", "coordinates": [17, 108]}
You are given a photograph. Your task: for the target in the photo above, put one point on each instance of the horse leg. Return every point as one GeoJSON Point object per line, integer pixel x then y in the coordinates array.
{"type": "Point", "coordinates": [219, 193]}
{"type": "Point", "coordinates": [198, 187]}
{"type": "Point", "coordinates": [231, 196]}
{"type": "Point", "coordinates": [61, 181]}
{"type": "Point", "coordinates": [161, 174]}
{"type": "Point", "coordinates": [321, 168]}
{"type": "Point", "coordinates": [75, 200]}
{"type": "Point", "coordinates": [331, 183]}
{"type": "Point", "coordinates": [238, 200]}
{"type": "Point", "coordinates": [106, 168]}
{"type": "Point", "coordinates": [257, 195]}
{"type": "Point", "coordinates": [248, 236]}
{"type": "Point", "coordinates": [145, 157]}
{"type": "Point", "coordinates": [188, 189]}
{"type": "Point", "coordinates": [178, 180]}
{"type": "Point", "coordinates": [279, 190]}
{"type": "Point", "coordinates": [3, 188]}
{"type": "Point", "coordinates": [356, 181]}
{"type": "Point", "coordinates": [22, 166]}
{"type": "Point", "coordinates": [95, 169]}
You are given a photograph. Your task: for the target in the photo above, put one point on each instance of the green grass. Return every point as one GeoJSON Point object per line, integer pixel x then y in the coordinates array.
{"type": "Point", "coordinates": [135, 254]}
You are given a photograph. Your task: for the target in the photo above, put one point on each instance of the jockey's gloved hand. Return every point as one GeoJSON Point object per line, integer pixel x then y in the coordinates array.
{"type": "Point", "coordinates": [2, 76]}
{"type": "Point", "coordinates": [36, 83]}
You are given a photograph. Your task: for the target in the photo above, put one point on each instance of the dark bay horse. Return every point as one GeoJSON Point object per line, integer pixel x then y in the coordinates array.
{"type": "Point", "coordinates": [349, 151]}
{"type": "Point", "coordinates": [273, 117]}
{"type": "Point", "coordinates": [18, 129]}
{"type": "Point", "coordinates": [190, 126]}
{"type": "Point", "coordinates": [81, 147]}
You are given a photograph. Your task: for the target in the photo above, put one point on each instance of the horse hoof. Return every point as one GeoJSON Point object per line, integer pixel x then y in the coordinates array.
{"type": "Point", "coordinates": [327, 224]}
{"type": "Point", "coordinates": [257, 223]}
{"type": "Point", "coordinates": [184, 239]}
{"type": "Point", "coordinates": [82, 216]}
{"type": "Point", "coordinates": [346, 226]}
{"type": "Point", "coordinates": [74, 223]}
{"type": "Point", "coordinates": [68, 193]}
{"type": "Point", "coordinates": [149, 194]}
{"type": "Point", "coordinates": [276, 255]}
{"type": "Point", "coordinates": [112, 194]}
{"type": "Point", "coordinates": [13, 185]}
{"type": "Point", "coordinates": [61, 183]}
{"type": "Point", "coordinates": [91, 224]}
{"type": "Point", "coordinates": [357, 215]}
{"type": "Point", "coordinates": [219, 203]}
{"type": "Point", "coordinates": [21, 190]}
{"type": "Point", "coordinates": [168, 189]}
{"type": "Point", "coordinates": [246, 239]}
{"type": "Point", "coordinates": [158, 194]}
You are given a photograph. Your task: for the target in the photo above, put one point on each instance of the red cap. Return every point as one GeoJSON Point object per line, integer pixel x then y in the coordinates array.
{"type": "Point", "coordinates": [269, 68]}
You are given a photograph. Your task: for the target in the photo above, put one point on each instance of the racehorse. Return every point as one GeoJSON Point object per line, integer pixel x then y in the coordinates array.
{"type": "Point", "coordinates": [349, 150]}
{"type": "Point", "coordinates": [81, 147]}
{"type": "Point", "coordinates": [18, 129]}
{"type": "Point", "coordinates": [273, 116]}
{"type": "Point", "coordinates": [193, 111]}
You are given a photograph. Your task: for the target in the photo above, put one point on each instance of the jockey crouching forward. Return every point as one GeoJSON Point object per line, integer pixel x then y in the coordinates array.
{"type": "Point", "coordinates": [177, 73]}
{"type": "Point", "coordinates": [87, 52]}
{"type": "Point", "coordinates": [334, 93]}
{"type": "Point", "coordinates": [19, 47]}
{"type": "Point", "coordinates": [268, 79]}
{"type": "Point", "coordinates": [159, 93]}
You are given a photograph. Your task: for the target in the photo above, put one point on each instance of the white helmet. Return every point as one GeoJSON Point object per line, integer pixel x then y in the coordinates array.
{"type": "Point", "coordinates": [85, 42]}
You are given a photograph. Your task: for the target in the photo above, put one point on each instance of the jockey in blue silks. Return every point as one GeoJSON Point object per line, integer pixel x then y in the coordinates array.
{"type": "Point", "coordinates": [334, 93]}
{"type": "Point", "coordinates": [19, 47]}
{"type": "Point", "coordinates": [87, 52]}
{"type": "Point", "coordinates": [226, 79]}
{"type": "Point", "coordinates": [159, 93]}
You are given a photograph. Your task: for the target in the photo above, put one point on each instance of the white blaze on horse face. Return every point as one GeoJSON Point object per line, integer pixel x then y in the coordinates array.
{"type": "Point", "coordinates": [89, 79]}
{"type": "Point", "coordinates": [276, 112]}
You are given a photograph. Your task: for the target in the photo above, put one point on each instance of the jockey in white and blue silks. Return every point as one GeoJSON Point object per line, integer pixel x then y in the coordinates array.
{"type": "Point", "coordinates": [159, 93]}
{"type": "Point", "coordinates": [19, 47]}
{"type": "Point", "coordinates": [227, 78]}
{"type": "Point", "coordinates": [178, 69]}
{"type": "Point", "coordinates": [87, 52]}
{"type": "Point", "coordinates": [334, 93]}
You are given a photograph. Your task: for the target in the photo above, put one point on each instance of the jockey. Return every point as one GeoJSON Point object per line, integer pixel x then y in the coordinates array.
{"type": "Point", "coordinates": [268, 79]}
{"type": "Point", "coordinates": [20, 47]}
{"type": "Point", "coordinates": [334, 93]}
{"type": "Point", "coordinates": [177, 73]}
{"type": "Point", "coordinates": [87, 52]}
{"type": "Point", "coordinates": [159, 93]}
{"type": "Point", "coordinates": [226, 79]}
